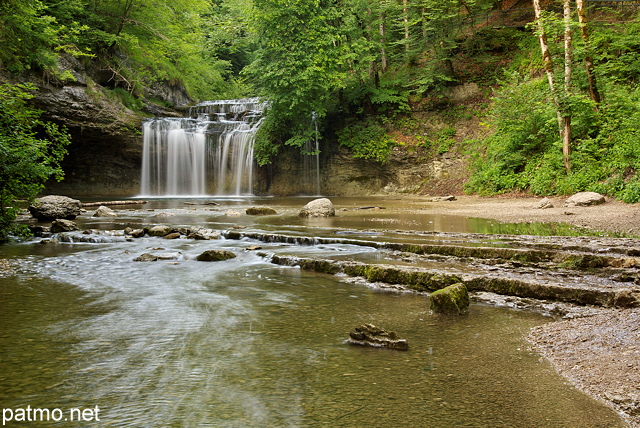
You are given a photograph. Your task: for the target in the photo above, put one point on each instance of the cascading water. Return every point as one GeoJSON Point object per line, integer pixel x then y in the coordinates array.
{"type": "Point", "coordinates": [211, 150]}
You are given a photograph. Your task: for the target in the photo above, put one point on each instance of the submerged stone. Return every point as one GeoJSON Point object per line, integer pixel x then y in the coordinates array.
{"type": "Point", "coordinates": [370, 335]}
{"type": "Point", "coordinates": [148, 257]}
{"type": "Point", "coordinates": [451, 300]}
{"type": "Point", "coordinates": [260, 211]}
{"type": "Point", "coordinates": [215, 256]}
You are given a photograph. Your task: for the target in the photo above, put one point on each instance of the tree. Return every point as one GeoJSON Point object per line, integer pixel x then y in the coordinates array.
{"type": "Point", "coordinates": [30, 152]}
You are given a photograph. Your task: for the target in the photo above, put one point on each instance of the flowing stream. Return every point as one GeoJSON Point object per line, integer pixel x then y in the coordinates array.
{"type": "Point", "coordinates": [246, 343]}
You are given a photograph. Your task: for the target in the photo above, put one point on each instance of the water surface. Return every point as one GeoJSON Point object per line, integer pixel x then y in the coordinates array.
{"type": "Point", "coordinates": [246, 343]}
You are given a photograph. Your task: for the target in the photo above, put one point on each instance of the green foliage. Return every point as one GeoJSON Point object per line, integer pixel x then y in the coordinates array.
{"type": "Point", "coordinates": [367, 140]}
{"type": "Point", "coordinates": [30, 152]}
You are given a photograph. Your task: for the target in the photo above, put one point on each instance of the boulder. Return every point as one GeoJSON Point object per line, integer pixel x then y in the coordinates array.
{"type": "Point", "coordinates": [62, 225]}
{"type": "Point", "coordinates": [321, 207]}
{"type": "Point", "coordinates": [215, 256]}
{"type": "Point", "coordinates": [260, 211]}
{"type": "Point", "coordinates": [52, 207]}
{"type": "Point", "coordinates": [451, 300]}
{"type": "Point", "coordinates": [233, 213]}
{"type": "Point", "coordinates": [103, 211]}
{"type": "Point", "coordinates": [544, 204]}
{"type": "Point", "coordinates": [585, 199]}
{"type": "Point", "coordinates": [370, 335]}
{"type": "Point", "coordinates": [160, 230]}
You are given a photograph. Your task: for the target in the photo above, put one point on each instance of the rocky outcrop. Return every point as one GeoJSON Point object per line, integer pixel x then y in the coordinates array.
{"type": "Point", "coordinates": [53, 207]}
{"type": "Point", "coordinates": [585, 199]}
{"type": "Point", "coordinates": [451, 300]}
{"type": "Point", "coordinates": [104, 157]}
{"type": "Point", "coordinates": [370, 335]}
{"type": "Point", "coordinates": [321, 207]}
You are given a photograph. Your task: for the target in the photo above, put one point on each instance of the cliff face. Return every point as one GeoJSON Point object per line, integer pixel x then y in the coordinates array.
{"type": "Point", "coordinates": [343, 175]}
{"type": "Point", "coordinates": [105, 154]}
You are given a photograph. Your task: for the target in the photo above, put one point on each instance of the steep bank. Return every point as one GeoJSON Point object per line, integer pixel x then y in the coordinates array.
{"type": "Point", "coordinates": [105, 154]}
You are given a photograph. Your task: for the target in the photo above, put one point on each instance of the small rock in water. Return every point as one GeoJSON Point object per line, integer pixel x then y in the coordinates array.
{"type": "Point", "coordinates": [260, 211]}
{"type": "Point", "coordinates": [321, 207]}
{"type": "Point", "coordinates": [233, 213]}
{"type": "Point", "coordinates": [159, 230]}
{"type": "Point", "coordinates": [148, 257]}
{"type": "Point", "coordinates": [370, 335]}
{"type": "Point", "coordinates": [215, 256]}
{"type": "Point", "coordinates": [451, 300]}
{"type": "Point", "coordinates": [62, 225]}
{"type": "Point", "coordinates": [173, 235]}
{"type": "Point", "coordinates": [103, 211]}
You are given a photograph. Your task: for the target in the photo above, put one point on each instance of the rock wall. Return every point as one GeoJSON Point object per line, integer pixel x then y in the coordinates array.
{"type": "Point", "coordinates": [105, 154]}
{"type": "Point", "coordinates": [343, 175]}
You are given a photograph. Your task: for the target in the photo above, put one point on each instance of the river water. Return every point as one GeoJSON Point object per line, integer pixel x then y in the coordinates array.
{"type": "Point", "coordinates": [245, 343]}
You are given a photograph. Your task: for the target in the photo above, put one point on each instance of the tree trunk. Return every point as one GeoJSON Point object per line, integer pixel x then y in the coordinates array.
{"type": "Point", "coordinates": [588, 60]}
{"type": "Point", "coordinates": [568, 60]}
{"type": "Point", "coordinates": [405, 18]}
{"type": "Point", "coordinates": [563, 124]}
{"type": "Point", "coordinates": [383, 53]}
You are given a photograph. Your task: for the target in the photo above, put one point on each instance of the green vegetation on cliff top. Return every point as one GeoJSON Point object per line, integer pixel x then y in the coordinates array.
{"type": "Point", "coordinates": [356, 74]}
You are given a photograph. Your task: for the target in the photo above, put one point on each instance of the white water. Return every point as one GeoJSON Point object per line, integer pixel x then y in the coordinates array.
{"type": "Point", "coordinates": [211, 151]}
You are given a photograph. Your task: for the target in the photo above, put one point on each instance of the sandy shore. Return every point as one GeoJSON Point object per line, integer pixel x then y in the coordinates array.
{"type": "Point", "coordinates": [613, 216]}
{"type": "Point", "coordinates": [600, 354]}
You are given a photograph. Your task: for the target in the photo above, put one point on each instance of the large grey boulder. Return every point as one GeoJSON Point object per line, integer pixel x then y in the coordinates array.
{"type": "Point", "coordinates": [321, 207]}
{"type": "Point", "coordinates": [52, 207]}
{"type": "Point", "coordinates": [585, 199]}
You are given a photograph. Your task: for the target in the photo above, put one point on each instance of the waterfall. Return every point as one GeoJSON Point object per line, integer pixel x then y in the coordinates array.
{"type": "Point", "coordinates": [209, 151]}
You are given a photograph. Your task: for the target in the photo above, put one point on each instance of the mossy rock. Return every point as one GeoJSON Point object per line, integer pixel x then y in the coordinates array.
{"type": "Point", "coordinates": [260, 211]}
{"type": "Point", "coordinates": [451, 300]}
{"type": "Point", "coordinates": [215, 256]}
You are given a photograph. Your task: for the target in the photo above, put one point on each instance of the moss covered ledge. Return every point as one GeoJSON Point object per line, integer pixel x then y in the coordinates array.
{"type": "Point", "coordinates": [421, 279]}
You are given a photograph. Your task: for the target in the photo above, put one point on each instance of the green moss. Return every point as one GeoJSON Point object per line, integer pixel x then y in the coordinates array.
{"type": "Point", "coordinates": [451, 300]}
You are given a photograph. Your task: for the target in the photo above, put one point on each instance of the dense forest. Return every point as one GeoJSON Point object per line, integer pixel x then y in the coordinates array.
{"type": "Point", "coordinates": [559, 79]}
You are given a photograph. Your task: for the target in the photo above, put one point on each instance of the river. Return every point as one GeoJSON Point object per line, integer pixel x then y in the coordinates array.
{"type": "Point", "coordinates": [246, 343]}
